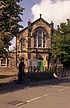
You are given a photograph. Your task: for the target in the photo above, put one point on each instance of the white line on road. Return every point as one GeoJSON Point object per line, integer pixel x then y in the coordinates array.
{"type": "Point", "coordinates": [62, 89]}
{"type": "Point", "coordinates": [19, 104]}
{"type": "Point", "coordinates": [36, 98]}
{"type": "Point", "coordinates": [45, 95]}
{"type": "Point", "coordinates": [39, 97]}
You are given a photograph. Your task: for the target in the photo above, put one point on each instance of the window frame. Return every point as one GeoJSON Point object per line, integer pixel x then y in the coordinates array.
{"type": "Point", "coordinates": [23, 44]}
{"type": "Point", "coordinates": [6, 64]}
{"type": "Point", "coordinates": [39, 41]}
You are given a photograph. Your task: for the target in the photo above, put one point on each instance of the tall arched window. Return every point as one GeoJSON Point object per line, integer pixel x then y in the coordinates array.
{"type": "Point", "coordinates": [40, 37]}
{"type": "Point", "coordinates": [23, 44]}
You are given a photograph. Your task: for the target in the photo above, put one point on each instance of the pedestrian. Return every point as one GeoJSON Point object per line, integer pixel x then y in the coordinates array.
{"type": "Point", "coordinates": [21, 74]}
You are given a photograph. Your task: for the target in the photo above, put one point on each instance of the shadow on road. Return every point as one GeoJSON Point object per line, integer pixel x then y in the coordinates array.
{"type": "Point", "coordinates": [15, 86]}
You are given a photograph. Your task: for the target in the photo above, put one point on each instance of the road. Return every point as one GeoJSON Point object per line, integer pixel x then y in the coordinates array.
{"type": "Point", "coordinates": [42, 94]}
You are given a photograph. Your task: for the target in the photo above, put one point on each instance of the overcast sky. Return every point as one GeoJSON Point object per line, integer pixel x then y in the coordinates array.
{"type": "Point", "coordinates": [56, 10]}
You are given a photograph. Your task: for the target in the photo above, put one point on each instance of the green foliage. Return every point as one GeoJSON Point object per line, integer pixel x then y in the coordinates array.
{"type": "Point", "coordinates": [9, 19]}
{"type": "Point", "coordinates": [61, 45]}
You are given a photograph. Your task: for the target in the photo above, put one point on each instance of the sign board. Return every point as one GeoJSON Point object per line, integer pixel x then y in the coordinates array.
{"type": "Point", "coordinates": [34, 63]}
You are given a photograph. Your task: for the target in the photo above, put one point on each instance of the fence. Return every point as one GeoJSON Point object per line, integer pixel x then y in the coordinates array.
{"type": "Point", "coordinates": [60, 72]}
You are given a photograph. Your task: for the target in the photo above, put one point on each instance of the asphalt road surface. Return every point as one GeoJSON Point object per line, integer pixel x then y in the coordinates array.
{"type": "Point", "coordinates": [43, 94]}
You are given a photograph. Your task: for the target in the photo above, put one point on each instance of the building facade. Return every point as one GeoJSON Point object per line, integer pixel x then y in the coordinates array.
{"type": "Point", "coordinates": [8, 62]}
{"type": "Point", "coordinates": [34, 44]}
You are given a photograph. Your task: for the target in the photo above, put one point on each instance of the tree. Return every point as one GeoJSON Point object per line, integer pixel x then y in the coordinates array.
{"type": "Point", "coordinates": [61, 45]}
{"type": "Point", "coordinates": [9, 19]}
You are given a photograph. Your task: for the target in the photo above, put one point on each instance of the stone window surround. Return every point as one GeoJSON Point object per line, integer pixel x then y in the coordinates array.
{"type": "Point", "coordinates": [44, 38]}
{"type": "Point", "coordinates": [6, 62]}
{"type": "Point", "coordinates": [22, 44]}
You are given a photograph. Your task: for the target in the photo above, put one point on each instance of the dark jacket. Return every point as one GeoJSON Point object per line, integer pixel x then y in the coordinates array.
{"type": "Point", "coordinates": [21, 67]}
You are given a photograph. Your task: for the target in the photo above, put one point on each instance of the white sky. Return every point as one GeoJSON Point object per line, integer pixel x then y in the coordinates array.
{"type": "Point", "coordinates": [56, 10]}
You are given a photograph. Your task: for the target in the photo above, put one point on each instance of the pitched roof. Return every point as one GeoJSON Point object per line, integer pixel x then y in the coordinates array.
{"type": "Point", "coordinates": [32, 23]}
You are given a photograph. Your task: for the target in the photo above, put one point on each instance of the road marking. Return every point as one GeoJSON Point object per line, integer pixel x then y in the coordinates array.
{"type": "Point", "coordinates": [62, 89]}
{"type": "Point", "coordinates": [39, 97]}
{"type": "Point", "coordinates": [34, 99]}
{"type": "Point", "coordinates": [30, 100]}
{"type": "Point", "coordinates": [19, 104]}
{"type": "Point", "coordinates": [45, 95]}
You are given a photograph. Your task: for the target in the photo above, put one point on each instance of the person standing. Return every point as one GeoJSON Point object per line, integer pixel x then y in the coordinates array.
{"type": "Point", "coordinates": [21, 74]}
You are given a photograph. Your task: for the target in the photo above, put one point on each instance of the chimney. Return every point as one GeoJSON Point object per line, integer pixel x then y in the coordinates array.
{"type": "Point", "coordinates": [68, 21]}
{"type": "Point", "coordinates": [52, 24]}
{"type": "Point", "coordinates": [29, 25]}
{"type": "Point", "coordinates": [40, 15]}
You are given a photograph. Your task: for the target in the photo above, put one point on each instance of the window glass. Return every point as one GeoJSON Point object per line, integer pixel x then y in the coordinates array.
{"type": "Point", "coordinates": [3, 62]}
{"type": "Point", "coordinates": [40, 36]}
{"type": "Point", "coordinates": [23, 44]}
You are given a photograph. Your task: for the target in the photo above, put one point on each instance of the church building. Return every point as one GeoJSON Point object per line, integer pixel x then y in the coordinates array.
{"type": "Point", "coordinates": [34, 44]}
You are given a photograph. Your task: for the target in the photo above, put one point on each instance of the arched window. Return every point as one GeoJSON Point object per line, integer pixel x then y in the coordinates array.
{"type": "Point", "coordinates": [23, 42]}
{"type": "Point", "coordinates": [40, 37]}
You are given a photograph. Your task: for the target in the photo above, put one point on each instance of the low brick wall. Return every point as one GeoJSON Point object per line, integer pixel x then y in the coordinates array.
{"type": "Point", "coordinates": [8, 70]}
{"type": "Point", "coordinates": [39, 76]}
